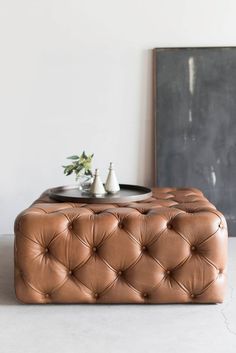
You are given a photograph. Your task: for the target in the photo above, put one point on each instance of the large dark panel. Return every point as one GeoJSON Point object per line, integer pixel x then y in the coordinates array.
{"type": "Point", "coordinates": [195, 103]}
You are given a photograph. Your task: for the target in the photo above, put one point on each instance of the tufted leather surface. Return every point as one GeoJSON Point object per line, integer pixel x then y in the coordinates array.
{"type": "Point", "coordinates": [172, 248]}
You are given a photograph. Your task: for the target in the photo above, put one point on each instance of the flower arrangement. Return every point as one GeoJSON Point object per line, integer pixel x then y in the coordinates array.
{"type": "Point", "coordinates": [80, 166]}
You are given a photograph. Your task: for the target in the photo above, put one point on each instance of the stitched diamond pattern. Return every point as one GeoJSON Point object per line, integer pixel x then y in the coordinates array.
{"type": "Point", "coordinates": [171, 248]}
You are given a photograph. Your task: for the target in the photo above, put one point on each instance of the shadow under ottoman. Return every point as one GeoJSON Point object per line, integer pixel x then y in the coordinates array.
{"type": "Point", "coordinates": [172, 248]}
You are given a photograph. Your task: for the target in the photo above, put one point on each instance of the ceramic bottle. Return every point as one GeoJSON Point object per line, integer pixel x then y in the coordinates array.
{"type": "Point", "coordinates": [97, 188]}
{"type": "Point", "coordinates": [112, 186]}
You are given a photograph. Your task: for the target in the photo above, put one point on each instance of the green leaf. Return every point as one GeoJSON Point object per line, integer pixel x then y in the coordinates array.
{"type": "Point", "coordinates": [65, 170]}
{"type": "Point", "coordinates": [79, 169]}
{"type": "Point", "coordinates": [83, 155]}
{"type": "Point", "coordinates": [69, 172]}
{"type": "Point", "coordinates": [73, 157]}
{"type": "Point", "coordinates": [68, 169]}
{"type": "Point", "coordinates": [88, 172]}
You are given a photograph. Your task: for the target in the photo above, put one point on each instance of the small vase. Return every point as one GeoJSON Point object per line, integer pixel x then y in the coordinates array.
{"type": "Point", "coordinates": [85, 182]}
{"type": "Point", "coordinates": [97, 188]}
{"type": "Point", "coordinates": [112, 186]}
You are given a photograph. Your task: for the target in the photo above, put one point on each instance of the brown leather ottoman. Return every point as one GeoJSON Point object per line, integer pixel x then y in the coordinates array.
{"type": "Point", "coordinates": [171, 248]}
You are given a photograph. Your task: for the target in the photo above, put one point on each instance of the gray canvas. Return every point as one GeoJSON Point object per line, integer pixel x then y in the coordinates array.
{"type": "Point", "coordinates": [195, 112]}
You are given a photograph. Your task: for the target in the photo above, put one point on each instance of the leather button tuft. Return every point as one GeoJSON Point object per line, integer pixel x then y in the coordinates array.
{"type": "Point", "coordinates": [168, 272]}
{"type": "Point", "coordinates": [70, 272]}
{"type": "Point", "coordinates": [221, 225]}
{"type": "Point", "coordinates": [47, 295]}
{"type": "Point", "coordinates": [169, 226]}
{"type": "Point", "coordinates": [145, 295]}
{"type": "Point", "coordinates": [70, 226]}
{"type": "Point", "coordinates": [192, 295]}
{"type": "Point", "coordinates": [120, 273]}
{"type": "Point", "coordinates": [94, 249]}
{"type": "Point", "coordinates": [96, 295]}
{"type": "Point", "coordinates": [193, 247]}
{"type": "Point", "coordinates": [46, 250]}
{"type": "Point", "coordinates": [120, 225]}
{"type": "Point", "coordinates": [144, 248]}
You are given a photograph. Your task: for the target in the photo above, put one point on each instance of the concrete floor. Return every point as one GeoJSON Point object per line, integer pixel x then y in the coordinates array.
{"type": "Point", "coordinates": [112, 329]}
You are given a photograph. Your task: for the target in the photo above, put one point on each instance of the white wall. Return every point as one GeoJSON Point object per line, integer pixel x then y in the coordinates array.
{"type": "Point", "coordinates": [76, 74]}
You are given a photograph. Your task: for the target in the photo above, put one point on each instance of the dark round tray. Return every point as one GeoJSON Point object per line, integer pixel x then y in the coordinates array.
{"type": "Point", "coordinates": [127, 193]}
